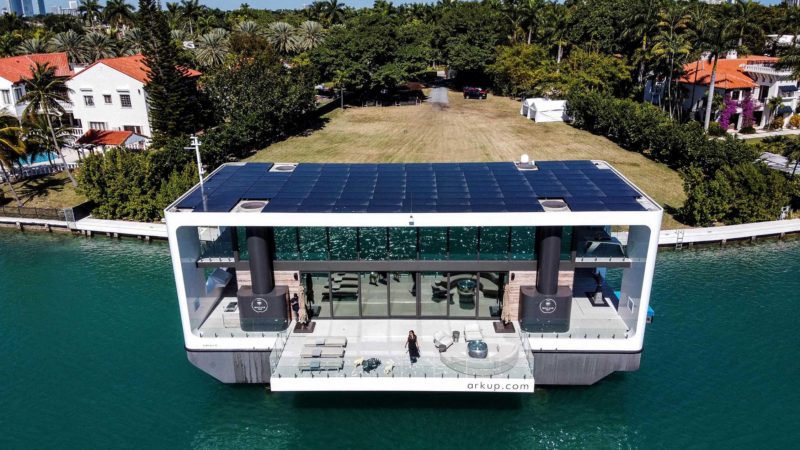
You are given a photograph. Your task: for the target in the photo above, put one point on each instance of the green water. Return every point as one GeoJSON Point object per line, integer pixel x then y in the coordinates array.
{"type": "Point", "coordinates": [91, 356]}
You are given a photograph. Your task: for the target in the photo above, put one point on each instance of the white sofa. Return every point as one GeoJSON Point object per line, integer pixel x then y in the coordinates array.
{"type": "Point", "coordinates": [442, 339]}
{"type": "Point", "coordinates": [472, 332]}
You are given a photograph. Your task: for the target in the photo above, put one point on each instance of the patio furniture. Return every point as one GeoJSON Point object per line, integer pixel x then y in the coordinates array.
{"type": "Point", "coordinates": [330, 341]}
{"type": "Point", "coordinates": [438, 292]}
{"type": "Point", "coordinates": [322, 352]}
{"type": "Point", "coordinates": [456, 335]}
{"type": "Point", "coordinates": [442, 340]}
{"type": "Point", "coordinates": [321, 364]}
{"type": "Point", "coordinates": [502, 358]}
{"type": "Point", "coordinates": [472, 332]}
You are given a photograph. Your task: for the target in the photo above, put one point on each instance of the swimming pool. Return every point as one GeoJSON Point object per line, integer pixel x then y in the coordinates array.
{"type": "Point", "coordinates": [42, 157]}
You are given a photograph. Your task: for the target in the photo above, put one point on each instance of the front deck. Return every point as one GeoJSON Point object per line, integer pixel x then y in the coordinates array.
{"type": "Point", "coordinates": [507, 368]}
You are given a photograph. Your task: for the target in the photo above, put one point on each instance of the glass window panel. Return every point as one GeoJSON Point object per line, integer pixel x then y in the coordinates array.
{"type": "Point", "coordinates": [463, 243]}
{"type": "Point", "coordinates": [463, 290]}
{"type": "Point", "coordinates": [403, 294]}
{"type": "Point", "coordinates": [566, 243]}
{"type": "Point", "coordinates": [241, 238]}
{"type": "Point", "coordinates": [491, 292]}
{"type": "Point", "coordinates": [494, 243]}
{"type": "Point", "coordinates": [403, 243]}
{"type": "Point", "coordinates": [286, 243]}
{"type": "Point", "coordinates": [317, 294]}
{"type": "Point", "coordinates": [374, 292]}
{"type": "Point", "coordinates": [373, 244]}
{"type": "Point", "coordinates": [523, 241]}
{"type": "Point", "coordinates": [215, 242]}
{"type": "Point", "coordinates": [344, 292]}
{"type": "Point", "coordinates": [313, 243]}
{"type": "Point", "coordinates": [343, 244]}
{"type": "Point", "coordinates": [434, 294]}
{"type": "Point", "coordinates": [433, 243]}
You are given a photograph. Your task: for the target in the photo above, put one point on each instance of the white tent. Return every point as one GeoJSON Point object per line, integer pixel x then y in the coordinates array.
{"type": "Point", "coordinates": [544, 110]}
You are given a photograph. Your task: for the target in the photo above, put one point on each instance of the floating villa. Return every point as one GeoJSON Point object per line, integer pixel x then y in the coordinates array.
{"type": "Point", "coordinates": [308, 277]}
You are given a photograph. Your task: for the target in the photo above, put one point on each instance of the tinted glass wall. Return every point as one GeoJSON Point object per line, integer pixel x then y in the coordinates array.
{"type": "Point", "coordinates": [402, 243]}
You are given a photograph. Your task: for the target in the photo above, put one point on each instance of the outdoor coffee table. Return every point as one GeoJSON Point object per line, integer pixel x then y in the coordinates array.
{"type": "Point", "coordinates": [477, 349]}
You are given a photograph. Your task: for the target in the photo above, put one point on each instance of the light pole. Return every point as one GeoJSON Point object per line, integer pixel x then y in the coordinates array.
{"type": "Point", "coordinates": [194, 144]}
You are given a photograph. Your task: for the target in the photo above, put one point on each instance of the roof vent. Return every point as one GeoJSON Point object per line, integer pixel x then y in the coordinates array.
{"type": "Point", "coordinates": [554, 204]}
{"type": "Point", "coordinates": [525, 163]}
{"type": "Point", "coordinates": [249, 206]}
{"type": "Point", "coordinates": [283, 167]}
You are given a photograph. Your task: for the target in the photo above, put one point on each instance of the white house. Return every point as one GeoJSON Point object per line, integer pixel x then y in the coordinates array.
{"type": "Point", "coordinates": [14, 69]}
{"type": "Point", "coordinates": [544, 110]}
{"type": "Point", "coordinates": [109, 95]}
{"type": "Point", "coordinates": [755, 77]}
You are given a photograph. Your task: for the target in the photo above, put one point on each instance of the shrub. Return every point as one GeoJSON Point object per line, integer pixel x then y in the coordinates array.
{"type": "Point", "coordinates": [777, 123]}
{"type": "Point", "coordinates": [715, 129]}
{"type": "Point", "coordinates": [794, 121]}
{"type": "Point", "coordinates": [747, 130]}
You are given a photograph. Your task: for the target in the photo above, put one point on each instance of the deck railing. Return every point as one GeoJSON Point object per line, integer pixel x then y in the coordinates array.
{"type": "Point", "coordinates": [277, 350]}
{"type": "Point", "coordinates": [526, 346]}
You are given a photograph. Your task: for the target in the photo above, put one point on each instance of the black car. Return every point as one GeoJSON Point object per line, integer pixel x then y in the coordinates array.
{"type": "Point", "coordinates": [475, 92]}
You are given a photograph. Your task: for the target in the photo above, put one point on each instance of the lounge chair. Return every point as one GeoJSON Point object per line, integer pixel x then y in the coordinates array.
{"type": "Point", "coordinates": [321, 364]}
{"type": "Point", "coordinates": [322, 352]}
{"type": "Point", "coordinates": [442, 340]}
{"type": "Point", "coordinates": [472, 332]}
{"type": "Point", "coordinates": [331, 341]}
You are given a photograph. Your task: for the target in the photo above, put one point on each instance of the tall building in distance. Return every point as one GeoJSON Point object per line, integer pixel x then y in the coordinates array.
{"type": "Point", "coordinates": [42, 9]}
{"type": "Point", "coordinates": [15, 7]}
{"type": "Point", "coordinates": [795, 3]}
{"type": "Point", "coordinates": [27, 8]}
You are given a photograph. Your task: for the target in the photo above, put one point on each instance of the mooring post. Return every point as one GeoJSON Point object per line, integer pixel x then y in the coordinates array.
{"type": "Point", "coordinates": [19, 226]}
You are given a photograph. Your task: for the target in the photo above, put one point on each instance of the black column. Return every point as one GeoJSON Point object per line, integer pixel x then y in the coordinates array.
{"type": "Point", "coordinates": [260, 246]}
{"type": "Point", "coordinates": [548, 257]}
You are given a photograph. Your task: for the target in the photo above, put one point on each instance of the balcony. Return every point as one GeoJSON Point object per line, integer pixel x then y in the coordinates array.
{"type": "Point", "coordinates": [767, 69]}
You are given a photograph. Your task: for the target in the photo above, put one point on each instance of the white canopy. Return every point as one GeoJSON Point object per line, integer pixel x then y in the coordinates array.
{"type": "Point", "coordinates": [544, 110]}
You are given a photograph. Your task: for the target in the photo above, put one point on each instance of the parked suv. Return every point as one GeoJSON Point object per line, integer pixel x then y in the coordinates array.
{"type": "Point", "coordinates": [475, 92]}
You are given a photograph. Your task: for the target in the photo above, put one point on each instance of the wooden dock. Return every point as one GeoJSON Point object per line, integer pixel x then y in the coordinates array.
{"type": "Point", "coordinates": [723, 234]}
{"type": "Point", "coordinates": [90, 227]}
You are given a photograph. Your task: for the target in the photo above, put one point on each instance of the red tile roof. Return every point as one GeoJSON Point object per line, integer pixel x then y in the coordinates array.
{"type": "Point", "coordinates": [99, 137]}
{"type": "Point", "coordinates": [132, 66]}
{"type": "Point", "coordinates": [730, 72]}
{"type": "Point", "coordinates": [15, 68]}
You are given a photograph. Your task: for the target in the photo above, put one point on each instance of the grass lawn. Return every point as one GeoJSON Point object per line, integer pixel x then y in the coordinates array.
{"type": "Point", "coordinates": [52, 191]}
{"type": "Point", "coordinates": [466, 130]}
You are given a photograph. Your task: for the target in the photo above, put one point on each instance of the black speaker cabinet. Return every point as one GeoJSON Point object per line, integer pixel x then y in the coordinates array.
{"type": "Point", "coordinates": [540, 313]}
{"type": "Point", "coordinates": [263, 312]}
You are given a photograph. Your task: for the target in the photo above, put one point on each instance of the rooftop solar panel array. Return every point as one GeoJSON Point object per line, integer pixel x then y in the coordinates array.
{"type": "Point", "coordinates": [418, 188]}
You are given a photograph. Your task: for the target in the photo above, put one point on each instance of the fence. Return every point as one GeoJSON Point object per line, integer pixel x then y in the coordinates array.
{"type": "Point", "coordinates": [33, 213]}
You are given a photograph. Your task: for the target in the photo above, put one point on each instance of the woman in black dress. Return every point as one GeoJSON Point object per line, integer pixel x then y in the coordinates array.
{"type": "Point", "coordinates": [413, 346]}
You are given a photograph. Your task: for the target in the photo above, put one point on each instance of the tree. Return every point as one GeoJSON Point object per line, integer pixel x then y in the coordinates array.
{"type": "Point", "coordinates": [745, 20]}
{"type": "Point", "coordinates": [212, 48]}
{"type": "Point", "coordinates": [47, 93]}
{"type": "Point", "coordinates": [191, 11]}
{"type": "Point", "coordinates": [11, 148]}
{"type": "Point", "coordinates": [98, 46]}
{"type": "Point", "coordinates": [791, 150]}
{"type": "Point", "coordinates": [119, 13]}
{"type": "Point", "coordinates": [32, 45]}
{"type": "Point", "coordinates": [37, 135]}
{"type": "Point", "coordinates": [333, 11]}
{"type": "Point", "coordinates": [171, 93]}
{"type": "Point", "coordinates": [719, 40]}
{"type": "Point", "coordinates": [309, 35]}
{"type": "Point", "coordinates": [672, 46]}
{"type": "Point", "coordinates": [91, 11]}
{"type": "Point", "coordinates": [281, 36]}
{"type": "Point", "coordinates": [774, 104]}
{"type": "Point", "coordinates": [71, 43]}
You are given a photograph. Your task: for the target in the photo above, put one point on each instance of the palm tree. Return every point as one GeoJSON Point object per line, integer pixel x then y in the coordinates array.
{"type": "Point", "coordinates": [70, 43]}
{"type": "Point", "coordinates": [212, 48]}
{"type": "Point", "coordinates": [309, 35]}
{"type": "Point", "coordinates": [791, 151]}
{"type": "Point", "coordinates": [173, 14]}
{"type": "Point", "coordinates": [36, 133]}
{"type": "Point", "coordinates": [191, 10]}
{"type": "Point", "coordinates": [531, 12]}
{"type": "Point", "coordinates": [119, 14]}
{"type": "Point", "coordinates": [8, 45]}
{"type": "Point", "coordinates": [334, 11]}
{"type": "Point", "coordinates": [32, 45]}
{"type": "Point", "coordinates": [774, 104]}
{"type": "Point", "coordinates": [282, 37]}
{"type": "Point", "coordinates": [11, 149]}
{"type": "Point", "coordinates": [248, 27]}
{"type": "Point", "coordinates": [746, 20]}
{"type": "Point", "coordinates": [133, 43]}
{"type": "Point", "coordinates": [671, 44]}
{"type": "Point", "coordinates": [315, 11]}
{"type": "Point", "coordinates": [91, 11]}
{"type": "Point", "coordinates": [206, 23]}
{"type": "Point", "coordinates": [642, 24]}
{"type": "Point", "coordinates": [99, 46]}
{"type": "Point", "coordinates": [46, 93]}
{"type": "Point", "coordinates": [719, 39]}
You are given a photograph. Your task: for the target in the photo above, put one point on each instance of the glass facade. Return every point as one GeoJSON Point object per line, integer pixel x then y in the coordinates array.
{"type": "Point", "coordinates": [466, 295]}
